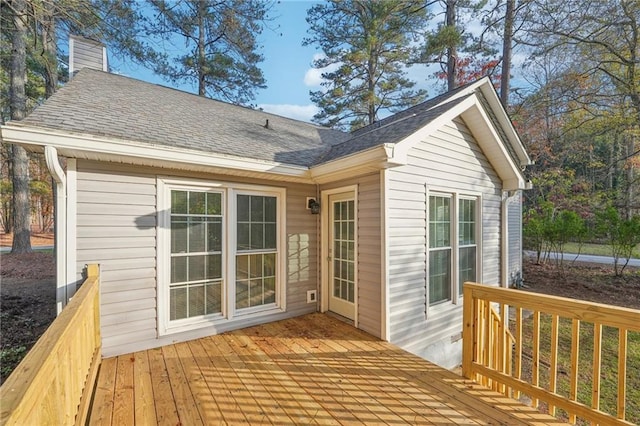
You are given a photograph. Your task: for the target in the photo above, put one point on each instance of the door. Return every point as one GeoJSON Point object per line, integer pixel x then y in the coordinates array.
{"type": "Point", "coordinates": [342, 254]}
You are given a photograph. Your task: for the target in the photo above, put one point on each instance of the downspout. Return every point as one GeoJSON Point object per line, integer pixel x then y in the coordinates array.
{"type": "Point", "coordinates": [53, 164]}
{"type": "Point", "coordinates": [504, 249]}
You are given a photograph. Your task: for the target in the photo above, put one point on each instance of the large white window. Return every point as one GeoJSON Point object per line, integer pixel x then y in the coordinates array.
{"type": "Point", "coordinates": [453, 249]}
{"type": "Point", "coordinates": [218, 252]}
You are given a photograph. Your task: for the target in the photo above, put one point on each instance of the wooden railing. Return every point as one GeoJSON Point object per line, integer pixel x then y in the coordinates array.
{"type": "Point", "coordinates": [54, 382]}
{"type": "Point", "coordinates": [483, 364]}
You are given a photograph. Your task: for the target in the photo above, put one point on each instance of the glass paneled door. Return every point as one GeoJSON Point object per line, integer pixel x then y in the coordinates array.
{"type": "Point", "coordinates": [342, 255]}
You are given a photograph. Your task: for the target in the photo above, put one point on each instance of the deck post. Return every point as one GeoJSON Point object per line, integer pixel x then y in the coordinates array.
{"type": "Point", "coordinates": [467, 331]}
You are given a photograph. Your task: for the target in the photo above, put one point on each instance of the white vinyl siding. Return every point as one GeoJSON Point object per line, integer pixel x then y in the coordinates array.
{"type": "Point", "coordinates": [447, 162]}
{"type": "Point", "coordinates": [117, 228]}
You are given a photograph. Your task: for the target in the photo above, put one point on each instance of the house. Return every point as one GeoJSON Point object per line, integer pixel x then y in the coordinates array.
{"type": "Point", "coordinates": [207, 217]}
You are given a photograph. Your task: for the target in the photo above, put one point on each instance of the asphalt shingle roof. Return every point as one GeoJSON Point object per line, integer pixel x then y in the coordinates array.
{"type": "Point", "coordinates": [103, 104]}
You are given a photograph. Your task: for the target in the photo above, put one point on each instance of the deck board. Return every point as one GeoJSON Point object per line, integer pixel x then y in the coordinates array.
{"type": "Point", "coordinates": [308, 370]}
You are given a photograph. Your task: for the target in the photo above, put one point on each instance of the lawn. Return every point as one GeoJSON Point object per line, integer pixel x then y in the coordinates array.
{"type": "Point", "coordinates": [609, 366]}
{"type": "Point", "coordinates": [595, 249]}
{"type": "Point", "coordinates": [594, 283]}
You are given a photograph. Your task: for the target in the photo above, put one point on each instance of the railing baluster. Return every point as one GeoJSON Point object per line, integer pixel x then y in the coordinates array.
{"type": "Point", "coordinates": [535, 367]}
{"type": "Point", "coordinates": [575, 346]}
{"type": "Point", "coordinates": [553, 367]}
{"type": "Point", "coordinates": [493, 366]}
{"type": "Point", "coordinates": [597, 354]}
{"type": "Point", "coordinates": [622, 372]}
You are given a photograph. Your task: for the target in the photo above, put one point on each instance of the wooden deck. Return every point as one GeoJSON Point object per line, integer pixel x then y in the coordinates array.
{"type": "Point", "coordinates": [309, 370]}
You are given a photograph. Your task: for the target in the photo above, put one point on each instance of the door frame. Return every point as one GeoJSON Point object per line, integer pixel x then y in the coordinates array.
{"type": "Point", "coordinates": [324, 244]}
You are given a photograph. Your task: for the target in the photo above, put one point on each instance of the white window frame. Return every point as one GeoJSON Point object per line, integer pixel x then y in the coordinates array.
{"type": "Point", "coordinates": [163, 264]}
{"type": "Point", "coordinates": [455, 197]}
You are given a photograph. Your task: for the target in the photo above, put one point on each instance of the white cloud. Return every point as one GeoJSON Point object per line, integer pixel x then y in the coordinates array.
{"type": "Point", "coordinates": [297, 112]}
{"type": "Point", "coordinates": [313, 76]}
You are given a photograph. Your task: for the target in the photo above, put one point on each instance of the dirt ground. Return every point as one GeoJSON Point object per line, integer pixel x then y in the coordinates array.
{"type": "Point", "coordinates": [27, 300]}
{"type": "Point", "coordinates": [586, 281]}
{"type": "Point", "coordinates": [27, 293]}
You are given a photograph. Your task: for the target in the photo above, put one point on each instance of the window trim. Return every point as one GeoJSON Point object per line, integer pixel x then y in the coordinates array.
{"type": "Point", "coordinates": [229, 192]}
{"type": "Point", "coordinates": [455, 197]}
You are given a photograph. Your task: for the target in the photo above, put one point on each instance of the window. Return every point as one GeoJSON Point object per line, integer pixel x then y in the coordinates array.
{"type": "Point", "coordinates": [451, 243]}
{"type": "Point", "coordinates": [196, 254]}
{"type": "Point", "coordinates": [466, 242]}
{"type": "Point", "coordinates": [439, 249]}
{"type": "Point", "coordinates": [218, 252]}
{"type": "Point", "coordinates": [256, 251]}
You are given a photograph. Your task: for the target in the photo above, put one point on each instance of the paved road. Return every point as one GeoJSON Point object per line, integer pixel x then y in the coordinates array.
{"type": "Point", "coordinates": [587, 258]}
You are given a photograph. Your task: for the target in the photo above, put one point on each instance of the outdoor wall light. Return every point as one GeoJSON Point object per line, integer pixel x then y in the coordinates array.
{"type": "Point", "coordinates": [314, 206]}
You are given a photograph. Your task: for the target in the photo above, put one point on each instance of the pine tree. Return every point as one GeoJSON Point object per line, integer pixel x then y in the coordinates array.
{"type": "Point", "coordinates": [366, 45]}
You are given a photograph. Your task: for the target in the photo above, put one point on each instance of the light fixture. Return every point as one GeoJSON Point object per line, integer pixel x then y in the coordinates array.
{"type": "Point", "coordinates": [314, 206]}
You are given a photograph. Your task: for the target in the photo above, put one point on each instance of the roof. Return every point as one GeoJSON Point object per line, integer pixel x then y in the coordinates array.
{"type": "Point", "coordinates": [103, 104]}
{"type": "Point", "coordinates": [107, 117]}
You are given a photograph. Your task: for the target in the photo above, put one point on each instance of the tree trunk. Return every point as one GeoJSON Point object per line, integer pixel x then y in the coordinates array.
{"type": "Point", "coordinates": [48, 26]}
{"type": "Point", "coordinates": [451, 50]}
{"type": "Point", "coordinates": [201, 52]}
{"type": "Point", "coordinates": [505, 78]}
{"type": "Point", "coordinates": [19, 158]}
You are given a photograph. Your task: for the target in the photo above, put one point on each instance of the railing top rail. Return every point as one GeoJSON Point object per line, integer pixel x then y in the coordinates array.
{"type": "Point", "coordinates": [601, 313]}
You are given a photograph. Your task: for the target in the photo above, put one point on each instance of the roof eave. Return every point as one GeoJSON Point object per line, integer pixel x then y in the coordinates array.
{"type": "Point", "coordinates": [91, 147]}
{"type": "Point", "coordinates": [368, 161]}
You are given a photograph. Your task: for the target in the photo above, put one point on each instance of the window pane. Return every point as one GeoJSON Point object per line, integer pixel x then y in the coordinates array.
{"type": "Point", "coordinates": [179, 269]}
{"type": "Point", "coordinates": [197, 235]}
{"type": "Point", "coordinates": [269, 266]}
{"type": "Point", "coordinates": [213, 297]}
{"type": "Point", "coordinates": [467, 222]}
{"type": "Point", "coordinates": [214, 235]}
{"type": "Point", "coordinates": [270, 236]}
{"type": "Point", "coordinates": [269, 290]}
{"type": "Point", "coordinates": [270, 209]}
{"type": "Point", "coordinates": [350, 210]}
{"type": "Point", "coordinates": [196, 268]}
{"type": "Point", "coordinates": [179, 202]}
{"type": "Point", "coordinates": [439, 276]}
{"type": "Point", "coordinates": [178, 303]}
{"type": "Point", "coordinates": [243, 236]}
{"type": "Point", "coordinates": [242, 267]}
{"type": "Point", "coordinates": [179, 234]}
{"type": "Point", "coordinates": [242, 294]}
{"type": "Point", "coordinates": [196, 203]}
{"type": "Point", "coordinates": [214, 266]}
{"type": "Point", "coordinates": [214, 203]}
{"type": "Point", "coordinates": [256, 236]}
{"type": "Point", "coordinates": [255, 266]}
{"type": "Point", "coordinates": [243, 208]}
{"type": "Point", "coordinates": [439, 222]}
{"type": "Point", "coordinates": [257, 209]}
{"type": "Point", "coordinates": [467, 267]}
{"type": "Point", "coordinates": [196, 300]}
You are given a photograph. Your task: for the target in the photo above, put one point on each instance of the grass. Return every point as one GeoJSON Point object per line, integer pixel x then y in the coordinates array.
{"type": "Point", "coordinates": [595, 249]}
{"type": "Point", "coordinates": [609, 364]}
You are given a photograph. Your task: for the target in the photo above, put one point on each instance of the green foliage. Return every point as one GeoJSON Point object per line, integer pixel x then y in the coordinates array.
{"type": "Point", "coordinates": [366, 46]}
{"type": "Point", "coordinates": [548, 229]}
{"type": "Point", "coordinates": [10, 358]}
{"type": "Point", "coordinates": [217, 41]}
{"type": "Point", "coordinates": [622, 234]}
{"type": "Point", "coordinates": [6, 191]}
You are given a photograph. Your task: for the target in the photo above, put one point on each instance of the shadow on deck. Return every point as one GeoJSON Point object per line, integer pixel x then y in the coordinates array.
{"type": "Point", "coordinates": [306, 370]}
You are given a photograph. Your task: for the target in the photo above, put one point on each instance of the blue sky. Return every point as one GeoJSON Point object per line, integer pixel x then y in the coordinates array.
{"type": "Point", "coordinates": [286, 67]}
